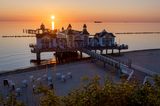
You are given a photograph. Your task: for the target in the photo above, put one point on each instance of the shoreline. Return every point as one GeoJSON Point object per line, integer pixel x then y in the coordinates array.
{"type": "Point", "coordinates": [43, 66]}
{"type": "Point", "coordinates": [140, 50]}
{"type": "Point", "coordinates": [38, 67]}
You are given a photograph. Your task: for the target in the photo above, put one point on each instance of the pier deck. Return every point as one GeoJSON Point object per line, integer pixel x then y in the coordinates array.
{"type": "Point", "coordinates": [34, 49]}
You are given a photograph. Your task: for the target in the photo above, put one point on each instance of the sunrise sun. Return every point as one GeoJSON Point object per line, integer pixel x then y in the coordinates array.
{"type": "Point", "coordinates": [52, 17]}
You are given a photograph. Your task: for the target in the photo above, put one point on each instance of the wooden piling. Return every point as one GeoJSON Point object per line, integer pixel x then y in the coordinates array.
{"type": "Point", "coordinates": [81, 55]}
{"type": "Point", "coordinates": [106, 51]}
{"type": "Point", "coordinates": [101, 52]}
{"type": "Point", "coordinates": [38, 54]}
{"type": "Point", "coordinates": [119, 52]}
{"type": "Point", "coordinates": [112, 50]}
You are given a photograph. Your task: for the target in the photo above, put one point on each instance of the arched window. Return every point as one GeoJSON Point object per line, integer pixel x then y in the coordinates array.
{"type": "Point", "coordinates": [45, 42]}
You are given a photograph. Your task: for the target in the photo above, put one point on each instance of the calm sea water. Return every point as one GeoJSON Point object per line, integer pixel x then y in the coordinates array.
{"type": "Point", "coordinates": [15, 52]}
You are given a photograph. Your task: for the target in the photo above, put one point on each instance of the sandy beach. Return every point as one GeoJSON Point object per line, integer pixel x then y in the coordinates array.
{"type": "Point", "coordinates": [146, 59]}
{"type": "Point", "coordinates": [79, 70]}
{"type": "Point", "coordinates": [144, 62]}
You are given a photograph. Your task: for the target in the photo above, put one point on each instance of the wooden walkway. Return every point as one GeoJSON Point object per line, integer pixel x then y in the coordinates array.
{"type": "Point", "coordinates": [117, 64]}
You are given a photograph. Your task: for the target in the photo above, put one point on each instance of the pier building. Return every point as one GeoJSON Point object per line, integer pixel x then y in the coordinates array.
{"type": "Point", "coordinates": [70, 40]}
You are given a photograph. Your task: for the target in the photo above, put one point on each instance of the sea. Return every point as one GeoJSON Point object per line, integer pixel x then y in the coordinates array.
{"type": "Point", "coordinates": [16, 54]}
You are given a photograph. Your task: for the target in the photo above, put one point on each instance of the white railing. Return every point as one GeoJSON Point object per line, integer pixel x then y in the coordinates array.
{"type": "Point", "coordinates": [124, 68]}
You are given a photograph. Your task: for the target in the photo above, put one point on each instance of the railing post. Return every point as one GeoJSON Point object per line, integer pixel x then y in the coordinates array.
{"type": "Point", "coordinates": [38, 55]}
{"type": "Point", "coordinates": [81, 55]}
{"type": "Point", "coordinates": [112, 51]}
{"type": "Point", "coordinates": [106, 51]}
{"type": "Point", "coordinates": [119, 52]}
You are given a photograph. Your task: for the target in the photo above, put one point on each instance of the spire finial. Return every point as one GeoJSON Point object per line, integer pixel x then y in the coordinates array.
{"type": "Point", "coordinates": [84, 26]}
{"type": "Point", "coordinates": [69, 26]}
{"type": "Point", "coordinates": [42, 26]}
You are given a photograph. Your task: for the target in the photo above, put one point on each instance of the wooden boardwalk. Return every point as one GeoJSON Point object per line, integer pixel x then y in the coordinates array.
{"type": "Point", "coordinates": [34, 48]}
{"type": "Point", "coordinates": [117, 64]}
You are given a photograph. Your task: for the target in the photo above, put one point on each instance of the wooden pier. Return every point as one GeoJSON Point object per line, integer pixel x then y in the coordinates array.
{"type": "Point", "coordinates": [34, 49]}
{"type": "Point", "coordinates": [123, 68]}
{"type": "Point", "coordinates": [66, 44]}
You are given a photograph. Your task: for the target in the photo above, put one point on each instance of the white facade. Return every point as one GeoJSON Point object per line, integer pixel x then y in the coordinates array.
{"type": "Point", "coordinates": [74, 39]}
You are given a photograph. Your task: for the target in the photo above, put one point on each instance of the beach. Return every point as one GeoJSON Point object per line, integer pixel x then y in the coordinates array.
{"type": "Point", "coordinates": [80, 70]}
{"type": "Point", "coordinates": [147, 59]}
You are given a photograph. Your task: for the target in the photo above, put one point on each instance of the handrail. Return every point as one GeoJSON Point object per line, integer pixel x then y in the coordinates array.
{"type": "Point", "coordinates": [128, 70]}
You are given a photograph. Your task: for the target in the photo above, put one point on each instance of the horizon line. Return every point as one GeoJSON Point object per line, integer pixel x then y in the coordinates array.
{"type": "Point", "coordinates": [84, 21]}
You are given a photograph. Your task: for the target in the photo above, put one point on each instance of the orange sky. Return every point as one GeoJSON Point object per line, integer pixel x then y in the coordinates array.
{"type": "Point", "coordinates": [81, 10]}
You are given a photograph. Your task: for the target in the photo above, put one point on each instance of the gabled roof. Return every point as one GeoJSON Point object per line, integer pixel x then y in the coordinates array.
{"type": "Point", "coordinates": [104, 33]}
{"type": "Point", "coordinates": [85, 32]}
{"type": "Point", "coordinates": [111, 34]}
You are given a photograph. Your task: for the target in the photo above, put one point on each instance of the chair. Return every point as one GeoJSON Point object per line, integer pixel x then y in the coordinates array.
{"type": "Point", "coordinates": [58, 75]}
{"type": "Point", "coordinates": [24, 83]}
{"type": "Point", "coordinates": [49, 79]}
{"type": "Point", "coordinates": [12, 86]}
{"type": "Point", "coordinates": [32, 78]}
{"type": "Point", "coordinates": [18, 91]}
{"type": "Point", "coordinates": [5, 82]}
{"type": "Point", "coordinates": [39, 80]}
{"type": "Point", "coordinates": [50, 84]}
{"type": "Point", "coordinates": [63, 78]}
{"type": "Point", "coordinates": [33, 88]}
{"type": "Point", "coordinates": [45, 76]}
{"type": "Point", "coordinates": [69, 75]}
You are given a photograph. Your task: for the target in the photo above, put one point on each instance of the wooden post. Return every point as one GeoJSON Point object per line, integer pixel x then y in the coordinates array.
{"type": "Point", "coordinates": [38, 54]}
{"type": "Point", "coordinates": [56, 57]}
{"type": "Point", "coordinates": [101, 52]}
{"type": "Point", "coordinates": [112, 51]}
{"type": "Point", "coordinates": [106, 51]}
{"type": "Point", "coordinates": [119, 52]}
{"type": "Point", "coordinates": [81, 55]}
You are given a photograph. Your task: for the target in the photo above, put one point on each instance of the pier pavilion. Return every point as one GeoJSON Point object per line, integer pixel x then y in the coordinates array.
{"type": "Point", "coordinates": [70, 40]}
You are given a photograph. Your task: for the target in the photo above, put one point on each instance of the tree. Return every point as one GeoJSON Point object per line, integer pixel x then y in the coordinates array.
{"type": "Point", "coordinates": [48, 97]}
{"type": "Point", "coordinates": [10, 101]}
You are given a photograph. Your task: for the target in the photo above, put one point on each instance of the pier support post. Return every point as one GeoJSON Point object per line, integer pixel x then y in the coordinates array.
{"type": "Point", "coordinates": [81, 55]}
{"type": "Point", "coordinates": [56, 57]}
{"type": "Point", "coordinates": [38, 54]}
{"type": "Point", "coordinates": [119, 52]}
{"type": "Point", "coordinates": [106, 51]}
{"type": "Point", "coordinates": [112, 51]}
{"type": "Point", "coordinates": [101, 52]}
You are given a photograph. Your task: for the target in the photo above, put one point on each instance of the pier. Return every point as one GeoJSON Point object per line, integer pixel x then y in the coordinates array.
{"type": "Point", "coordinates": [58, 50]}
{"type": "Point", "coordinates": [70, 44]}
{"type": "Point", "coordinates": [69, 40]}
{"type": "Point", "coordinates": [123, 68]}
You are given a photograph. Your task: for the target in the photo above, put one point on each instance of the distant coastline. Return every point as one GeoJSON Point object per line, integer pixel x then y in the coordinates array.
{"type": "Point", "coordinates": [138, 33]}
{"type": "Point", "coordinates": [97, 21]}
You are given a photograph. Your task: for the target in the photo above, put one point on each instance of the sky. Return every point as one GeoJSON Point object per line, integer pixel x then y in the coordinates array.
{"type": "Point", "coordinates": [81, 10]}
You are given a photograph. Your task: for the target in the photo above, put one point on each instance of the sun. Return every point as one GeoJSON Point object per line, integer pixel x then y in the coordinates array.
{"type": "Point", "coordinates": [52, 17]}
